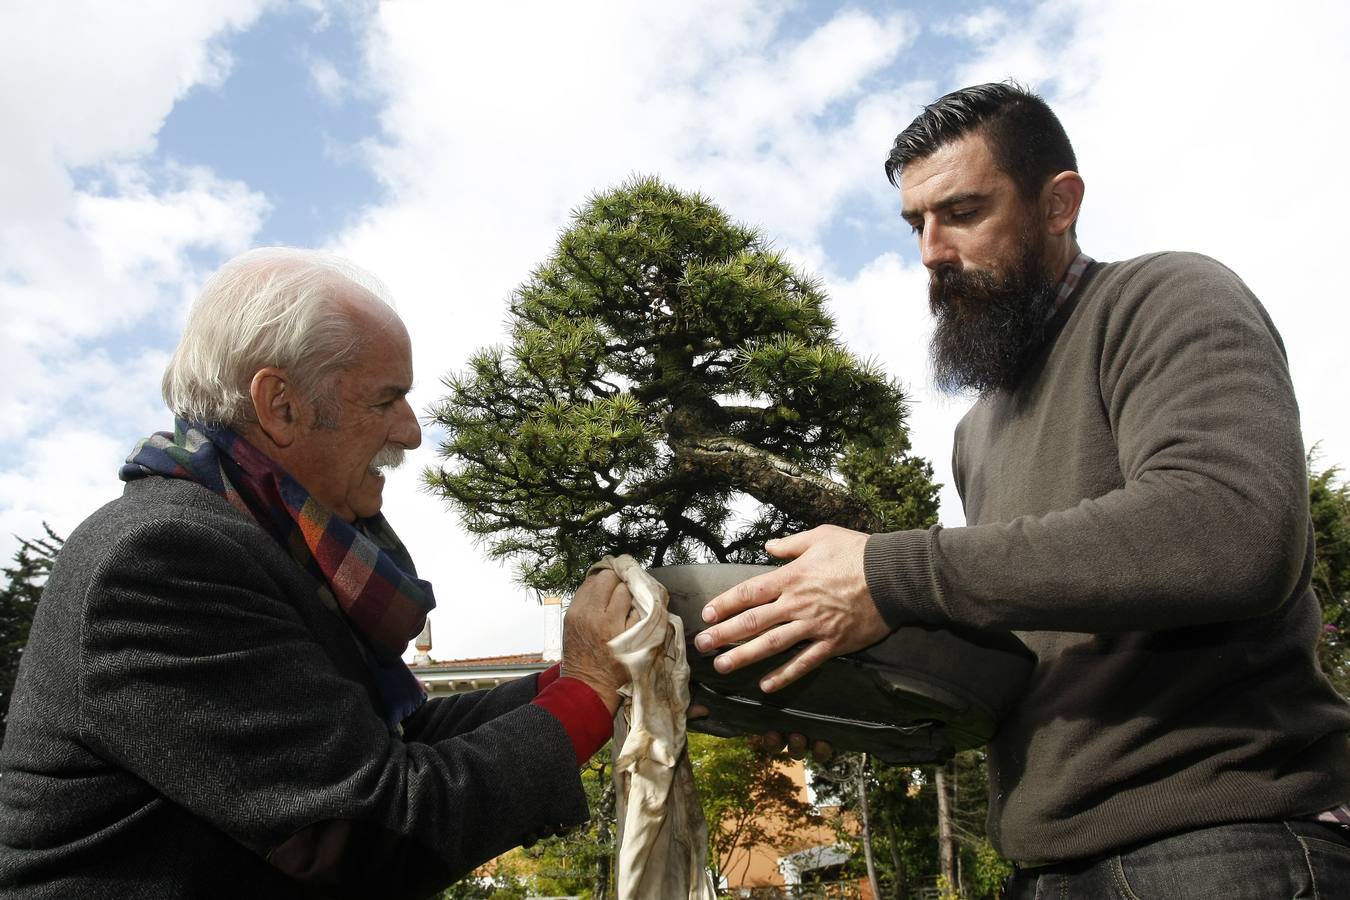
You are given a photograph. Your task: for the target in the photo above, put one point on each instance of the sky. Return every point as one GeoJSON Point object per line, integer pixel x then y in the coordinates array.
{"type": "Point", "coordinates": [443, 145]}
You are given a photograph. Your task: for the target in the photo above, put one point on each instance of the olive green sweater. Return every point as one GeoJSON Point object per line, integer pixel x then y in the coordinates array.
{"type": "Point", "coordinates": [1138, 513]}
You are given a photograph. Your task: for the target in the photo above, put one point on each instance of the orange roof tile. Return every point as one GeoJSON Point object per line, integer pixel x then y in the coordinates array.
{"type": "Point", "coordinates": [518, 659]}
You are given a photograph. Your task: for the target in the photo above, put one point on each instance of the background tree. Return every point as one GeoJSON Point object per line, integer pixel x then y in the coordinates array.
{"type": "Point", "coordinates": [581, 862]}
{"type": "Point", "coordinates": [902, 810]}
{"type": "Point", "coordinates": [979, 869]}
{"type": "Point", "coordinates": [665, 362]}
{"type": "Point", "coordinates": [1329, 501]}
{"type": "Point", "coordinates": [748, 798]}
{"type": "Point", "coordinates": [503, 882]}
{"type": "Point", "coordinates": [18, 601]}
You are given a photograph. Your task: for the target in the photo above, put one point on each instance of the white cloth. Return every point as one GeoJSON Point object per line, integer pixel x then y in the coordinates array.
{"type": "Point", "coordinates": [663, 838]}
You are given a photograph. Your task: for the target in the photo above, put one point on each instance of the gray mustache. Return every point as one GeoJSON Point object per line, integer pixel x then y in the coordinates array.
{"type": "Point", "coordinates": [389, 457]}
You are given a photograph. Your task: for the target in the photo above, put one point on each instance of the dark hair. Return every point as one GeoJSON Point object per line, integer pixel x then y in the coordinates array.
{"type": "Point", "coordinates": [1027, 141]}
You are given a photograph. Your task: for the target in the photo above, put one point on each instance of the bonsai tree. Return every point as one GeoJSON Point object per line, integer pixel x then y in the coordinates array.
{"type": "Point", "coordinates": [673, 389]}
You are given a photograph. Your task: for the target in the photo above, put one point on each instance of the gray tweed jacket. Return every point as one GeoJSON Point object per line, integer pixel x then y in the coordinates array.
{"type": "Point", "coordinates": [191, 721]}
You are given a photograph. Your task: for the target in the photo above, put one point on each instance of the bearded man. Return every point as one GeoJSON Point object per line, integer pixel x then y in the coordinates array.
{"type": "Point", "coordinates": [1134, 485]}
{"type": "Point", "coordinates": [213, 702]}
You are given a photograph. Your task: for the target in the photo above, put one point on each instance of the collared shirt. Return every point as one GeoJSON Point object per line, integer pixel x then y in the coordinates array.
{"type": "Point", "coordinates": [1339, 815]}
{"type": "Point", "coordinates": [1072, 275]}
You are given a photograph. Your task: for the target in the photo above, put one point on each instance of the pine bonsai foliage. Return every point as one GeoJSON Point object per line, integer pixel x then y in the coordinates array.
{"type": "Point", "coordinates": [664, 364]}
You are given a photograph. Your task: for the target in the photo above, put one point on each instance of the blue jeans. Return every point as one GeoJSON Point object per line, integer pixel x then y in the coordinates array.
{"type": "Point", "coordinates": [1245, 861]}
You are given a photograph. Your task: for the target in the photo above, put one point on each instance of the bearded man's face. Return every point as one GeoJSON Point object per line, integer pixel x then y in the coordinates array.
{"type": "Point", "coordinates": [985, 245]}
{"type": "Point", "coordinates": [990, 324]}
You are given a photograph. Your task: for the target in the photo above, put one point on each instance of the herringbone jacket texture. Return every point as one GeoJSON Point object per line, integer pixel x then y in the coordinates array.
{"type": "Point", "coordinates": [191, 721]}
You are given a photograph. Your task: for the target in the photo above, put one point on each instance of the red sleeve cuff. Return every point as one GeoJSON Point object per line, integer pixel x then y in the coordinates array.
{"type": "Point", "coordinates": [580, 710]}
{"type": "Point", "coordinates": [548, 676]}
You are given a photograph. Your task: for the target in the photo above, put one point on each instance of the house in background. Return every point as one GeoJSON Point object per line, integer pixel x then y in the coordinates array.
{"type": "Point", "coordinates": [458, 676]}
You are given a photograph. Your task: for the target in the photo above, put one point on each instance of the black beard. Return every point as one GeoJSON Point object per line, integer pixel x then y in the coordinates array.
{"type": "Point", "coordinates": [989, 326]}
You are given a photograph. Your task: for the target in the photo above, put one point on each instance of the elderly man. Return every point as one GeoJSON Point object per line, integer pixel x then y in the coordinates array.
{"type": "Point", "coordinates": [213, 701]}
{"type": "Point", "coordinates": [1133, 481]}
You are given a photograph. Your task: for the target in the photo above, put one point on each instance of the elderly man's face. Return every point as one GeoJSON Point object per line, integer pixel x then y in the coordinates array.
{"type": "Point", "coordinates": [337, 464]}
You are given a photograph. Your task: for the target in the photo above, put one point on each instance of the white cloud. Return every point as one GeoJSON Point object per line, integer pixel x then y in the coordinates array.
{"type": "Point", "coordinates": [78, 290]}
{"type": "Point", "coordinates": [331, 84]}
{"type": "Point", "coordinates": [977, 26]}
{"type": "Point", "coordinates": [1217, 132]}
{"type": "Point", "coordinates": [480, 610]}
{"type": "Point", "coordinates": [87, 86]}
{"type": "Point", "coordinates": [493, 132]}
{"type": "Point", "coordinates": [55, 483]}
{"type": "Point", "coordinates": [882, 314]}
{"type": "Point", "coordinates": [139, 232]}
{"type": "Point", "coordinates": [86, 82]}
{"type": "Point", "coordinates": [491, 138]}
{"type": "Point", "coordinates": [94, 268]}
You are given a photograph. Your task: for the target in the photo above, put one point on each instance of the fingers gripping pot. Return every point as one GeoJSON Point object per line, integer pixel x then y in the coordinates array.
{"type": "Point", "coordinates": [918, 696]}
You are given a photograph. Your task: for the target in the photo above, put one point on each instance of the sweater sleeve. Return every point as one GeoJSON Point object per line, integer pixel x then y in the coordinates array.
{"type": "Point", "coordinates": [579, 709]}
{"type": "Point", "coordinates": [1211, 521]}
{"type": "Point", "coordinates": [198, 678]}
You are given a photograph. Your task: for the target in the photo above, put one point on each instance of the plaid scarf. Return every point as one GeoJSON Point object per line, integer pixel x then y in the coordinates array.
{"type": "Point", "coordinates": [362, 568]}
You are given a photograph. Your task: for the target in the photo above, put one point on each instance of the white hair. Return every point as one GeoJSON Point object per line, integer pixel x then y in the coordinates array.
{"type": "Point", "coordinates": [273, 306]}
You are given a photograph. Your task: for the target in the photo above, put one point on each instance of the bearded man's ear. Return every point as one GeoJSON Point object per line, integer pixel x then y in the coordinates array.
{"type": "Point", "coordinates": [1064, 198]}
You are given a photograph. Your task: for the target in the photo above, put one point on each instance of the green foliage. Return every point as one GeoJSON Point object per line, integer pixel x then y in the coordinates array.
{"type": "Point", "coordinates": [18, 601]}
{"type": "Point", "coordinates": [747, 797]}
{"type": "Point", "coordinates": [1329, 501]}
{"type": "Point", "coordinates": [987, 870]}
{"type": "Point", "coordinates": [902, 809]}
{"type": "Point", "coordinates": [897, 488]}
{"type": "Point", "coordinates": [665, 363]}
{"type": "Point", "coordinates": [982, 869]}
{"type": "Point", "coordinates": [502, 884]}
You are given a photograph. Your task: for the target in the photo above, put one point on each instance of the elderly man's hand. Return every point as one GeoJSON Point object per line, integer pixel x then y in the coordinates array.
{"type": "Point", "coordinates": [601, 609]}
{"type": "Point", "coordinates": [820, 597]}
{"type": "Point", "coordinates": [772, 741]}
{"type": "Point", "coordinates": [821, 751]}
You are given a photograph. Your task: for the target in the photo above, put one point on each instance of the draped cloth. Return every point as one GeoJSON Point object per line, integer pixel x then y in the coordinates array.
{"type": "Point", "coordinates": [663, 838]}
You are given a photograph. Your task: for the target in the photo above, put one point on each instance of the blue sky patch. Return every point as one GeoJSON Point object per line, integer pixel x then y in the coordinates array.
{"type": "Point", "coordinates": [270, 126]}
